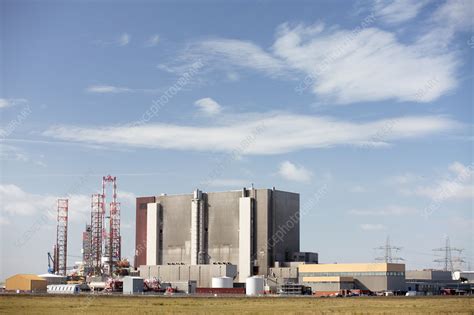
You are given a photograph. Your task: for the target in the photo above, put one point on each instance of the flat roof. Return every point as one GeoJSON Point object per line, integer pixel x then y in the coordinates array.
{"type": "Point", "coordinates": [27, 276]}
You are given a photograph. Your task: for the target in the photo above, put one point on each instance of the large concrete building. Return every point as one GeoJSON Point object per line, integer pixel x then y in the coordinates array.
{"type": "Point", "coordinates": [250, 228]}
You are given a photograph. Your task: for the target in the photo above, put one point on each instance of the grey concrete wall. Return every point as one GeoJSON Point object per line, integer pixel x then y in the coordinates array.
{"type": "Point", "coordinates": [372, 283]}
{"type": "Point", "coordinates": [332, 286]}
{"type": "Point", "coordinates": [262, 221]}
{"type": "Point", "coordinates": [396, 283]}
{"type": "Point", "coordinates": [428, 275]}
{"type": "Point", "coordinates": [286, 207]}
{"type": "Point", "coordinates": [381, 283]}
{"type": "Point", "coordinates": [284, 272]}
{"type": "Point", "coordinates": [203, 274]}
{"type": "Point", "coordinates": [283, 275]}
{"type": "Point", "coordinates": [176, 228]}
{"type": "Point", "coordinates": [223, 226]}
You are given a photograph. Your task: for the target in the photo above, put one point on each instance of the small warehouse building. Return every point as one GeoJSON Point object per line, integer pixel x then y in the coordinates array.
{"type": "Point", "coordinates": [132, 285]}
{"type": "Point", "coordinates": [26, 283]}
{"type": "Point", "coordinates": [429, 281]}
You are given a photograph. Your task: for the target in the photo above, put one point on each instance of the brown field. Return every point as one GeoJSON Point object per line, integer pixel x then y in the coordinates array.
{"type": "Point", "coordinates": [15, 304]}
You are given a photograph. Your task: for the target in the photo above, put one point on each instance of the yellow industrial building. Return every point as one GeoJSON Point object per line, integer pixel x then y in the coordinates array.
{"type": "Point", "coordinates": [373, 277]}
{"type": "Point", "coordinates": [25, 282]}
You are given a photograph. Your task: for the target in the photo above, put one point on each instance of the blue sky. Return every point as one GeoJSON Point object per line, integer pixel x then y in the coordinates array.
{"type": "Point", "coordinates": [368, 102]}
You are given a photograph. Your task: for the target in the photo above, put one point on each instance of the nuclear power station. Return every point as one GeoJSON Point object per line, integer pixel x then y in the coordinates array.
{"type": "Point", "coordinates": [253, 229]}
{"type": "Point", "coordinates": [238, 242]}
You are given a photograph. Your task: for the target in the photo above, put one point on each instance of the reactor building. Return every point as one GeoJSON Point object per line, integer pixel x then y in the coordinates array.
{"type": "Point", "coordinates": [252, 229]}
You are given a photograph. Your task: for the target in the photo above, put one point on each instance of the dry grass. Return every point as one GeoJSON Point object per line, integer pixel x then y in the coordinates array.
{"type": "Point", "coordinates": [267, 305]}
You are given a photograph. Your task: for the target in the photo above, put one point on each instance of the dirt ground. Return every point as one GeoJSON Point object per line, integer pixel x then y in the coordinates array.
{"type": "Point", "coordinates": [47, 304]}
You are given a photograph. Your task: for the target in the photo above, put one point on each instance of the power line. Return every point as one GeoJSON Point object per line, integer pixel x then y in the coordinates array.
{"type": "Point", "coordinates": [448, 260]}
{"type": "Point", "coordinates": [388, 251]}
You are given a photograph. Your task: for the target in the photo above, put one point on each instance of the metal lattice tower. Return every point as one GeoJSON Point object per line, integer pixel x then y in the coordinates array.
{"type": "Point", "coordinates": [448, 260]}
{"type": "Point", "coordinates": [55, 257]}
{"type": "Point", "coordinates": [61, 236]}
{"type": "Point", "coordinates": [112, 245]}
{"type": "Point", "coordinates": [114, 238]}
{"type": "Point", "coordinates": [86, 248]}
{"type": "Point", "coordinates": [388, 252]}
{"type": "Point", "coordinates": [96, 233]}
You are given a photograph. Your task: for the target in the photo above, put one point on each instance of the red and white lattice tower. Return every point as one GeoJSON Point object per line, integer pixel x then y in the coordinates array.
{"type": "Point", "coordinates": [114, 239]}
{"type": "Point", "coordinates": [97, 206]}
{"type": "Point", "coordinates": [61, 236]}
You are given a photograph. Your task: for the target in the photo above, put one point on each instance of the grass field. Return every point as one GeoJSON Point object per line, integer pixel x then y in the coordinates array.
{"type": "Point", "coordinates": [140, 305]}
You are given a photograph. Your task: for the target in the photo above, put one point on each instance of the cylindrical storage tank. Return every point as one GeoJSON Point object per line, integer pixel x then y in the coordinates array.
{"type": "Point", "coordinates": [222, 282]}
{"type": "Point", "coordinates": [254, 285]}
{"type": "Point", "coordinates": [97, 285]}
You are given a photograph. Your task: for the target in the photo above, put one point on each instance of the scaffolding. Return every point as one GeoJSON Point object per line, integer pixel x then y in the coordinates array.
{"type": "Point", "coordinates": [115, 238]}
{"type": "Point", "coordinates": [61, 237]}
{"type": "Point", "coordinates": [86, 248]}
{"type": "Point", "coordinates": [97, 219]}
{"type": "Point", "coordinates": [102, 243]}
{"type": "Point", "coordinates": [112, 244]}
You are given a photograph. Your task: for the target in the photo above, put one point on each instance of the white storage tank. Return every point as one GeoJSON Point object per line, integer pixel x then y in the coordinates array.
{"type": "Point", "coordinates": [63, 288]}
{"type": "Point", "coordinates": [254, 286]}
{"type": "Point", "coordinates": [97, 285]}
{"type": "Point", "coordinates": [222, 282]}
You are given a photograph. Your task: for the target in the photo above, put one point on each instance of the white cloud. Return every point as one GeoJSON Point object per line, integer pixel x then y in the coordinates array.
{"type": "Point", "coordinates": [449, 18]}
{"type": "Point", "coordinates": [372, 227]}
{"type": "Point", "coordinates": [9, 102]}
{"type": "Point", "coordinates": [4, 103]}
{"type": "Point", "coordinates": [369, 66]}
{"type": "Point", "coordinates": [293, 172]}
{"type": "Point", "coordinates": [447, 189]}
{"type": "Point", "coordinates": [208, 106]}
{"type": "Point", "coordinates": [107, 89]}
{"type": "Point", "coordinates": [456, 14]}
{"type": "Point", "coordinates": [227, 52]}
{"type": "Point", "coordinates": [13, 153]}
{"type": "Point", "coordinates": [457, 185]}
{"type": "Point", "coordinates": [17, 202]}
{"type": "Point", "coordinates": [362, 64]}
{"type": "Point", "coordinates": [111, 89]}
{"type": "Point", "coordinates": [153, 41]}
{"type": "Point", "coordinates": [387, 211]}
{"type": "Point", "coordinates": [460, 170]}
{"type": "Point", "coordinates": [124, 39]}
{"type": "Point", "coordinates": [278, 133]}
{"type": "Point", "coordinates": [398, 11]}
